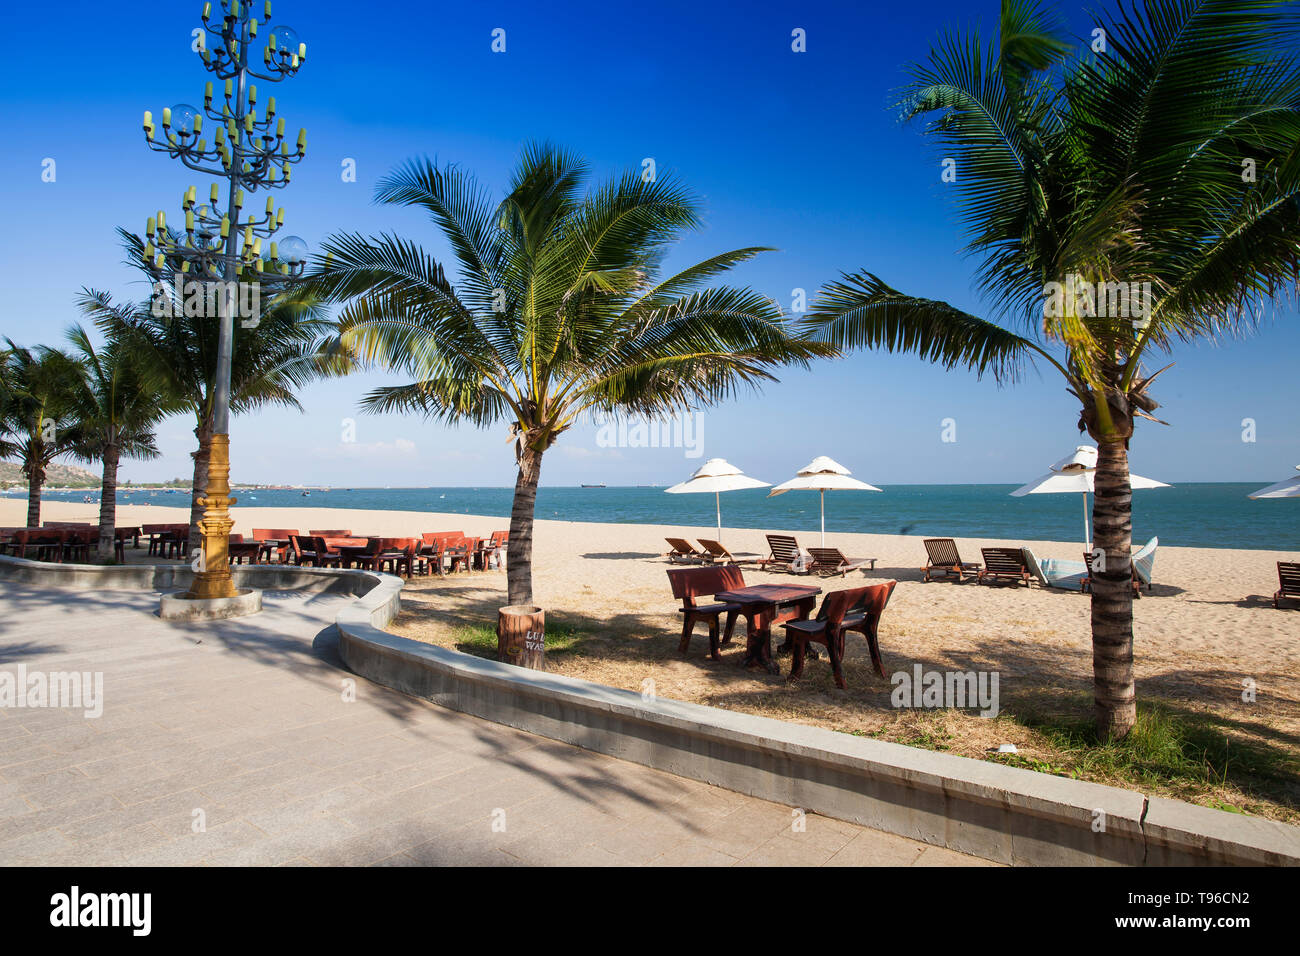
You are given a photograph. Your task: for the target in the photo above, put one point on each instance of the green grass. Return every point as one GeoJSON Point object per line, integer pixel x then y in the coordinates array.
{"type": "Point", "coordinates": [1163, 749]}
{"type": "Point", "coordinates": [481, 639]}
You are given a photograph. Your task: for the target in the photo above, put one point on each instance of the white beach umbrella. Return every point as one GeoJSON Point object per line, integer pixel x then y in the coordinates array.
{"type": "Point", "coordinates": [714, 477]}
{"type": "Point", "coordinates": [822, 474]}
{"type": "Point", "coordinates": [1287, 488]}
{"type": "Point", "coordinates": [1075, 473]}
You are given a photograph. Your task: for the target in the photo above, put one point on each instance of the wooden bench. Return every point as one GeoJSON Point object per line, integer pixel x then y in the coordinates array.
{"type": "Point", "coordinates": [691, 583]}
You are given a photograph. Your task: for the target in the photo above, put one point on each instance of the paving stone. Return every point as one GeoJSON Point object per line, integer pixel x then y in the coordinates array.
{"type": "Point", "coordinates": [245, 720]}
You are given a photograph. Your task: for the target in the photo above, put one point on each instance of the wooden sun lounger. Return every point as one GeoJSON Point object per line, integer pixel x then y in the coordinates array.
{"type": "Point", "coordinates": [684, 551]}
{"type": "Point", "coordinates": [718, 553]}
{"type": "Point", "coordinates": [1005, 564]}
{"type": "Point", "coordinates": [828, 561]}
{"type": "Point", "coordinates": [1288, 575]}
{"type": "Point", "coordinates": [1086, 583]}
{"type": "Point", "coordinates": [943, 557]}
{"type": "Point", "coordinates": [785, 554]}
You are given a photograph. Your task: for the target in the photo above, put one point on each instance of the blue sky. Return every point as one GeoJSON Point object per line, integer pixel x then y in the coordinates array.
{"type": "Point", "coordinates": [800, 151]}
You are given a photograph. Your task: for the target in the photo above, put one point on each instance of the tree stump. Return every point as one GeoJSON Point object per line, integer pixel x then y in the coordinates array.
{"type": "Point", "coordinates": [521, 636]}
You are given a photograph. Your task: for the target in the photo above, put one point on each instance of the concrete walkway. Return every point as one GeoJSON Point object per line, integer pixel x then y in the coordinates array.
{"type": "Point", "coordinates": [246, 742]}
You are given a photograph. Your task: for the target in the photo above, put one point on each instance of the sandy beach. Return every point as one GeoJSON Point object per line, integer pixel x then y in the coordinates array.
{"type": "Point", "coordinates": [1206, 627]}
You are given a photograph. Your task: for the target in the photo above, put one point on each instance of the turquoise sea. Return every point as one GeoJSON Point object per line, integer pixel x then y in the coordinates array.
{"type": "Point", "coordinates": [1191, 515]}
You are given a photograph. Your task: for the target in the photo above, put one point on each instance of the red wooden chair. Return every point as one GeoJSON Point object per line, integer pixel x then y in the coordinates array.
{"type": "Point", "coordinates": [690, 583]}
{"type": "Point", "coordinates": [853, 609]}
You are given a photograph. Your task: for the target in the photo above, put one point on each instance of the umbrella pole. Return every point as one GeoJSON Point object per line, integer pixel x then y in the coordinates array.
{"type": "Point", "coordinates": [1087, 536]}
{"type": "Point", "coordinates": [823, 492]}
{"type": "Point", "coordinates": [717, 499]}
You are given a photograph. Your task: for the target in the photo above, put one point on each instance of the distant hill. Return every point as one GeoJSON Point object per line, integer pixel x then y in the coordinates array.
{"type": "Point", "coordinates": [56, 476]}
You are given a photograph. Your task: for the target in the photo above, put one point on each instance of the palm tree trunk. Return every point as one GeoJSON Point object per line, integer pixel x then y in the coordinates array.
{"type": "Point", "coordinates": [201, 458]}
{"type": "Point", "coordinates": [108, 504]}
{"type": "Point", "coordinates": [1112, 594]}
{"type": "Point", "coordinates": [35, 478]}
{"type": "Point", "coordinates": [519, 549]}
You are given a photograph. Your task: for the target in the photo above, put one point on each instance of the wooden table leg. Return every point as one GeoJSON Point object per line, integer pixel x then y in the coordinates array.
{"type": "Point", "coordinates": [803, 610]}
{"type": "Point", "coordinates": [758, 641]}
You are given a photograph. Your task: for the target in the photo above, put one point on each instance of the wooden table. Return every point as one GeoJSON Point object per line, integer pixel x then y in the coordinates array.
{"type": "Point", "coordinates": [270, 546]}
{"type": "Point", "coordinates": [351, 553]}
{"type": "Point", "coordinates": [764, 605]}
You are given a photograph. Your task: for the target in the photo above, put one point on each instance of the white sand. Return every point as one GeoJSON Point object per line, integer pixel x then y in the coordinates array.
{"type": "Point", "coordinates": [1208, 603]}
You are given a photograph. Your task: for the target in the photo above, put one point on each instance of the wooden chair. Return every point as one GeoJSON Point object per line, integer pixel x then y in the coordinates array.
{"type": "Point", "coordinates": [155, 533]}
{"type": "Point", "coordinates": [432, 552]}
{"type": "Point", "coordinates": [830, 561]}
{"type": "Point", "coordinates": [854, 609]}
{"type": "Point", "coordinates": [1005, 564]}
{"type": "Point", "coordinates": [716, 552]}
{"type": "Point", "coordinates": [239, 551]}
{"type": "Point", "coordinates": [279, 551]}
{"type": "Point", "coordinates": [173, 541]}
{"type": "Point", "coordinates": [78, 542]}
{"type": "Point", "coordinates": [301, 550]}
{"type": "Point", "coordinates": [943, 556]}
{"type": "Point", "coordinates": [682, 550]}
{"type": "Point", "coordinates": [1085, 585]}
{"type": "Point", "coordinates": [785, 555]}
{"type": "Point", "coordinates": [326, 557]}
{"type": "Point", "coordinates": [119, 541]}
{"type": "Point", "coordinates": [1288, 575]}
{"type": "Point", "coordinates": [690, 583]}
{"type": "Point", "coordinates": [331, 533]}
{"type": "Point", "coordinates": [500, 544]}
{"type": "Point", "coordinates": [37, 544]}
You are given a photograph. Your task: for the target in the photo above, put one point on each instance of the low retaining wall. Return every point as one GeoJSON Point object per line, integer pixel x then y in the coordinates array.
{"type": "Point", "coordinates": [973, 806]}
{"type": "Point", "coordinates": [170, 577]}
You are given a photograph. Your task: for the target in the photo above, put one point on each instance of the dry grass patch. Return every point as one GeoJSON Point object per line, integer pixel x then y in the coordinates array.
{"type": "Point", "coordinates": [1196, 739]}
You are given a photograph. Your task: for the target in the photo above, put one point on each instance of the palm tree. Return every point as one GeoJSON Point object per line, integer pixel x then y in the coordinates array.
{"type": "Point", "coordinates": [559, 310]}
{"type": "Point", "coordinates": [36, 416]}
{"type": "Point", "coordinates": [270, 363]}
{"type": "Point", "coordinates": [119, 403]}
{"type": "Point", "coordinates": [1170, 159]}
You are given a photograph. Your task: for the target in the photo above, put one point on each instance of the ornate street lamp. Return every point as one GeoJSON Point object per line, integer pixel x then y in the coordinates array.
{"type": "Point", "coordinates": [222, 249]}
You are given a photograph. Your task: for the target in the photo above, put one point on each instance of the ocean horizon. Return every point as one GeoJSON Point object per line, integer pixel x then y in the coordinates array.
{"type": "Point", "coordinates": [1194, 514]}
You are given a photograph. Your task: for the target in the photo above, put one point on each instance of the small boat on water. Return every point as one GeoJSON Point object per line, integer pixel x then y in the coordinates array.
{"type": "Point", "coordinates": [593, 486]}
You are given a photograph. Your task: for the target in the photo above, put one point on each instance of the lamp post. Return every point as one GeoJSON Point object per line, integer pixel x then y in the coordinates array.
{"type": "Point", "coordinates": [219, 255]}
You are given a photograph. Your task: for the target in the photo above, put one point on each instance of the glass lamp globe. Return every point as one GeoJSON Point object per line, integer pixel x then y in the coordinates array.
{"type": "Point", "coordinates": [206, 220]}
{"type": "Point", "coordinates": [183, 118]}
{"type": "Point", "coordinates": [286, 40]}
{"type": "Point", "coordinates": [292, 250]}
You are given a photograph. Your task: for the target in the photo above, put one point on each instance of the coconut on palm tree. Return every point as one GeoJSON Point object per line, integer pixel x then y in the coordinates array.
{"type": "Point", "coordinates": [37, 416]}
{"type": "Point", "coordinates": [559, 310]}
{"type": "Point", "coordinates": [288, 348]}
{"type": "Point", "coordinates": [1141, 194]}
{"type": "Point", "coordinates": [119, 401]}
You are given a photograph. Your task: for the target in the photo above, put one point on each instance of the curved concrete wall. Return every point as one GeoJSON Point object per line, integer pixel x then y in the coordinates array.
{"type": "Point", "coordinates": [974, 806]}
